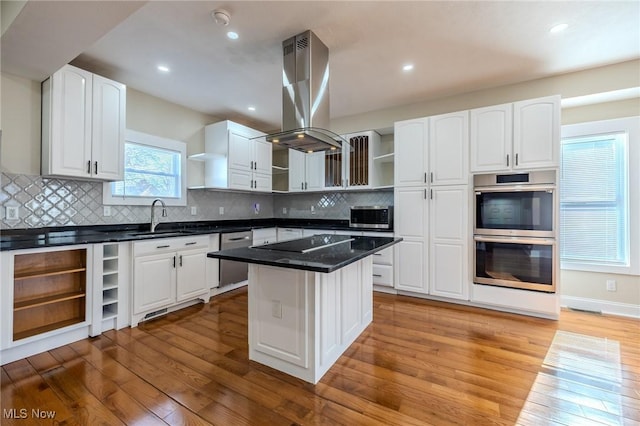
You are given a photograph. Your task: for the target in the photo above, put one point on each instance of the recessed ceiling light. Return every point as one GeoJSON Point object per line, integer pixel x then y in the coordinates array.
{"type": "Point", "coordinates": [163, 68]}
{"type": "Point", "coordinates": [251, 108]}
{"type": "Point", "coordinates": [232, 35]}
{"type": "Point", "coordinates": [558, 28]}
{"type": "Point", "coordinates": [407, 67]}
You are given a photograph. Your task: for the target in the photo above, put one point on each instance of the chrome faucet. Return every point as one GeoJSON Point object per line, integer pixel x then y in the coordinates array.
{"type": "Point", "coordinates": [154, 221]}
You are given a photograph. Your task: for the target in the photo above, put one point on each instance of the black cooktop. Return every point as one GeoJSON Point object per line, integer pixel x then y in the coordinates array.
{"type": "Point", "coordinates": [307, 244]}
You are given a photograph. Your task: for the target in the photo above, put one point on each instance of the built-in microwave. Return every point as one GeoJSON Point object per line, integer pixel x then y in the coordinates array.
{"type": "Point", "coordinates": [378, 217]}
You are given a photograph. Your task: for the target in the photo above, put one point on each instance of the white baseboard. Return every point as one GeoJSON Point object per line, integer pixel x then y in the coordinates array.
{"type": "Point", "coordinates": [603, 306]}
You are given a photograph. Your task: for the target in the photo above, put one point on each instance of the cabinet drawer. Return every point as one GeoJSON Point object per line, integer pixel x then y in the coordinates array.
{"type": "Point", "coordinates": [163, 245]}
{"type": "Point", "coordinates": [383, 257]}
{"type": "Point", "coordinates": [383, 275]}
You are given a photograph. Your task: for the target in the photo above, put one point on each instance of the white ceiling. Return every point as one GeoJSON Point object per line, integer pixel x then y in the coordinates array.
{"type": "Point", "coordinates": [456, 47]}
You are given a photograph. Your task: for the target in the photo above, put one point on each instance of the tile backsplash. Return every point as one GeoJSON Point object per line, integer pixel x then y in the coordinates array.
{"type": "Point", "coordinates": [64, 202]}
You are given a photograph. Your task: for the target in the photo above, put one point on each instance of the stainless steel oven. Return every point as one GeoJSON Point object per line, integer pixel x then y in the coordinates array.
{"type": "Point", "coordinates": [517, 204]}
{"type": "Point", "coordinates": [516, 262]}
{"type": "Point", "coordinates": [515, 228]}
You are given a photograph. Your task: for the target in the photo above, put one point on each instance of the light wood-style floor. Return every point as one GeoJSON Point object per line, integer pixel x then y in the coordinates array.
{"type": "Point", "coordinates": [418, 363]}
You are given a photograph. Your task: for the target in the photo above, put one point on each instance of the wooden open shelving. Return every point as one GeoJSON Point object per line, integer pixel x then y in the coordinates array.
{"type": "Point", "coordinates": [49, 291]}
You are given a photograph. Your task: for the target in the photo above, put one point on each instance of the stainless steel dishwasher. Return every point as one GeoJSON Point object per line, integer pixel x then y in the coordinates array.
{"type": "Point", "coordinates": [232, 272]}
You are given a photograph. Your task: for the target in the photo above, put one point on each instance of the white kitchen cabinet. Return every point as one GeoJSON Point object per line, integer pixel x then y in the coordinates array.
{"type": "Point", "coordinates": [516, 136]}
{"type": "Point", "coordinates": [236, 157]}
{"type": "Point", "coordinates": [264, 236]}
{"type": "Point", "coordinates": [448, 149]}
{"type": "Point", "coordinates": [449, 241]}
{"type": "Point", "coordinates": [352, 167]}
{"type": "Point", "coordinates": [306, 171]}
{"type": "Point", "coordinates": [431, 175]}
{"type": "Point", "coordinates": [167, 271]}
{"type": "Point", "coordinates": [310, 232]}
{"type": "Point", "coordinates": [382, 262]}
{"type": "Point", "coordinates": [285, 234]}
{"type": "Point", "coordinates": [411, 152]}
{"type": "Point", "coordinates": [411, 254]}
{"type": "Point", "coordinates": [83, 125]}
{"type": "Point", "coordinates": [491, 138]}
{"type": "Point", "coordinates": [536, 133]}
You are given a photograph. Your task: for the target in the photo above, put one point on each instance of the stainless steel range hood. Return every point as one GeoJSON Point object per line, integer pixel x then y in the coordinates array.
{"type": "Point", "coordinates": [305, 96]}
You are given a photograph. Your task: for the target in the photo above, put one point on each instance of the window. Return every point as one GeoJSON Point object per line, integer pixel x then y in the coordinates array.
{"type": "Point", "coordinates": [154, 167]}
{"type": "Point", "coordinates": [596, 203]}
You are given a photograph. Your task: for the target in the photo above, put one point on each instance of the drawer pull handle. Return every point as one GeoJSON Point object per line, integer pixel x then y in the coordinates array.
{"type": "Point", "coordinates": [377, 254]}
{"type": "Point", "coordinates": [377, 275]}
{"type": "Point", "coordinates": [191, 243]}
{"type": "Point", "coordinates": [159, 247]}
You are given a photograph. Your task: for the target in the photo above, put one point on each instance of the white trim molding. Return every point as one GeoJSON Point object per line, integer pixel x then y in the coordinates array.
{"type": "Point", "coordinates": [601, 306]}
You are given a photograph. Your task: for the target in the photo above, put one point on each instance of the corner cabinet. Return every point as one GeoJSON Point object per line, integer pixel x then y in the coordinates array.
{"type": "Point", "coordinates": [516, 136]}
{"type": "Point", "coordinates": [306, 171]}
{"type": "Point", "coordinates": [83, 125]}
{"type": "Point", "coordinates": [236, 157]}
{"type": "Point", "coordinates": [166, 272]}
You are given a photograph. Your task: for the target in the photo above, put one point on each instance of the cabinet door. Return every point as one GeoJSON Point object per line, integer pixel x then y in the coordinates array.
{"type": "Point", "coordinates": [191, 274]}
{"type": "Point", "coordinates": [154, 282]}
{"type": "Point", "coordinates": [491, 138]}
{"type": "Point", "coordinates": [410, 139]}
{"type": "Point", "coordinates": [240, 152]}
{"type": "Point", "coordinates": [67, 138]}
{"type": "Point", "coordinates": [107, 149]}
{"type": "Point", "coordinates": [411, 260]}
{"type": "Point", "coordinates": [314, 171]}
{"type": "Point", "coordinates": [285, 234]}
{"type": "Point", "coordinates": [449, 148]}
{"type": "Point", "coordinates": [262, 156]}
{"type": "Point", "coordinates": [448, 238]}
{"type": "Point", "coordinates": [296, 170]}
{"type": "Point", "coordinates": [536, 133]}
{"type": "Point", "coordinates": [359, 158]}
{"type": "Point", "coordinates": [240, 179]}
{"type": "Point", "coordinates": [262, 182]}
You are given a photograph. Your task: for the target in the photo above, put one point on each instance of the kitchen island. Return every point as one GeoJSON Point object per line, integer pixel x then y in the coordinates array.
{"type": "Point", "coordinates": [309, 299]}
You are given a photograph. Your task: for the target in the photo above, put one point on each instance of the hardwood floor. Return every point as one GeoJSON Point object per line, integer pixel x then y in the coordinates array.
{"type": "Point", "coordinates": [418, 363]}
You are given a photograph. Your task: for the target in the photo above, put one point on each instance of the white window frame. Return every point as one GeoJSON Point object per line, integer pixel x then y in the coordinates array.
{"type": "Point", "coordinates": [156, 142]}
{"type": "Point", "coordinates": [631, 127]}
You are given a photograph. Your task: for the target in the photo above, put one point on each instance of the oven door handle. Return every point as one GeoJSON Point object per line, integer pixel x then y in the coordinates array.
{"type": "Point", "coordinates": [515, 188]}
{"type": "Point", "coordinates": [515, 240]}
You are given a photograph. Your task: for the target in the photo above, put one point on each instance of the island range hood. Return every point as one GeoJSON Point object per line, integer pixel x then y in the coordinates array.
{"type": "Point", "coordinates": [305, 96]}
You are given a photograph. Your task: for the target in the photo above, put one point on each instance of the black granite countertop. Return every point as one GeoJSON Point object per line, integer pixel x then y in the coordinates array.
{"type": "Point", "coordinates": [16, 239]}
{"type": "Point", "coordinates": [326, 259]}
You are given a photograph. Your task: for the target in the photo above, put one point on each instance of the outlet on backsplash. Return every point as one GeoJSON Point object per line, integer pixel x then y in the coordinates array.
{"type": "Point", "coordinates": [221, 211]}
{"type": "Point", "coordinates": [12, 213]}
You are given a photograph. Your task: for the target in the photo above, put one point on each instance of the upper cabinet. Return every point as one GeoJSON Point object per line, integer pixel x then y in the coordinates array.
{"type": "Point", "coordinates": [411, 152]}
{"type": "Point", "coordinates": [448, 149]}
{"type": "Point", "coordinates": [432, 150]}
{"type": "Point", "coordinates": [306, 171]}
{"type": "Point", "coordinates": [518, 136]}
{"type": "Point", "coordinates": [83, 125]}
{"type": "Point", "coordinates": [353, 167]}
{"type": "Point", "coordinates": [236, 157]}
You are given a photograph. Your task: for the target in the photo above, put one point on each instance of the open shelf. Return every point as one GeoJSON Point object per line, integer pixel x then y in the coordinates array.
{"type": "Point", "coordinates": [43, 329]}
{"type": "Point", "coordinates": [49, 291]}
{"type": "Point", "coordinates": [47, 300]}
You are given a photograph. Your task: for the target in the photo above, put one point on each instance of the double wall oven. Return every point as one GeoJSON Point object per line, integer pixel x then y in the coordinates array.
{"type": "Point", "coordinates": [515, 230]}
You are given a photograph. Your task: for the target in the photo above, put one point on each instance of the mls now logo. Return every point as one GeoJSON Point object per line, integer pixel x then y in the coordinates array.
{"type": "Point", "coordinates": [23, 413]}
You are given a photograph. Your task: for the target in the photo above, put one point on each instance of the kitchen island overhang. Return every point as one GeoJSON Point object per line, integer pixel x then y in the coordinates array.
{"type": "Point", "coordinates": [307, 308]}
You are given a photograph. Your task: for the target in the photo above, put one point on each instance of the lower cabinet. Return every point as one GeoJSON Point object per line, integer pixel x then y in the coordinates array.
{"type": "Point", "coordinates": [285, 234]}
{"type": "Point", "coordinates": [167, 272]}
{"type": "Point", "coordinates": [45, 299]}
{"type": "Point", "coordinates": [433, 257]}
{"type": "Point", "coordinates": [382, 262]}
{"type": "Point", "coordinates": [262, 236]}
